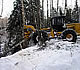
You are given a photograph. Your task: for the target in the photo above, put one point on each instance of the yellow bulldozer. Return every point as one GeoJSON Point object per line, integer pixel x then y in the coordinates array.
{"type": "Point", "coordinates": [58, 28]}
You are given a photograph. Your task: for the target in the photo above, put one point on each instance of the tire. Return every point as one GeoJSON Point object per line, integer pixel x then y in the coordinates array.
{"type": "Point", "coordinates": [34, 38]}
{"type": "Point", "coordinates": [43, 38]}
{"type": "Point", "coordinates": [69, 35]}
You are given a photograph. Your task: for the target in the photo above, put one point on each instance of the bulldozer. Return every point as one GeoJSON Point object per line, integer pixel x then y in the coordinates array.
{"type": "Point", "coordinates": [58, 29]}
{"type": "Point", "coordinates": [67, 31]}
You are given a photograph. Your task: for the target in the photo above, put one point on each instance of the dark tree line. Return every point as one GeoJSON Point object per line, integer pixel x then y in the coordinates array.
{"type": "Point", "coordinates": [15, 24]}
{"type": "Point", "coordinates": [32, 14]}
{"type": "Point", "coordinates": [72, 15]}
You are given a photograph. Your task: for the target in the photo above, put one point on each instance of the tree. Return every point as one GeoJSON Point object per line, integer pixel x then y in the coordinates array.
{"type": "Point", "coordinates": [60, 10]}
{"type": "Point", "coordinates": [68, 15]}
{"type": "Point", "coordinates": [57, 6]}
{"type": "Point", "coordinates": [42, 14]}
{"type": "Point", "coordinates": [75, 13]}
{"type": "Point", "coordinates": [31, 12]}
{"type": "Point", "coordinates": [47, 14]}
{"type": "Point", "coordinates": [15, 23]}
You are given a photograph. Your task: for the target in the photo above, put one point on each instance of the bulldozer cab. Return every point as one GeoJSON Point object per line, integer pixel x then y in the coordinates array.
{"type": "Point", "coordinates": [57, 23]}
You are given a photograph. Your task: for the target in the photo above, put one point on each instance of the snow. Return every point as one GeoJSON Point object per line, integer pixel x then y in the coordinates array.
{"type": "Point", "coordinates": [57, 55]}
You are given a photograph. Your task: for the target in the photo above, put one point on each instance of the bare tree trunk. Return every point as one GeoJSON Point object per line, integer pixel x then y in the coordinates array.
{"type": "Point", "coordinates": [57, 6]}
{"type": "Point", "coordinates": [65, 6]}
{"type": "Point", "coordinates": [43, 12]}
{"type": "Point", "coordinates": [30, 11]}
{"type": "Point", "coordinates": [47, 13]}
{"type": "Point", "coordinates": [52, 3]}
{"type": "Point", "coordinates": [23, 18]}
{"type": "Point", "coordinates": [50, 9]}
{"type": "Point", "coordinates": [79, 15]}
{"type": "Point", "coordinates": [77, 11]}
{"type": "Point", "coordinates": [38, 15]}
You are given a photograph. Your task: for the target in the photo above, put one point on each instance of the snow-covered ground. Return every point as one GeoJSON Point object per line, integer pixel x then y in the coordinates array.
{"type": "Point", "coordinates": [58, 55]}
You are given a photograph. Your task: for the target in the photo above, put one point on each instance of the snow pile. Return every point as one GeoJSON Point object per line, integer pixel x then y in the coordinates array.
{"type": "Point", "coordinates": [58, 55]}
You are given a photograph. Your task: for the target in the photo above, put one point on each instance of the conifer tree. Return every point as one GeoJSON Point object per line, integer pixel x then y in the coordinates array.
{"type": "Point", "coordinates": [15, 23]}
{"type": "Point", "coordinates": [75, 13]}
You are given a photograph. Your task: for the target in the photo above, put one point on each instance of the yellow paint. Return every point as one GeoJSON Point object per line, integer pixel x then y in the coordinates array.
{"type": "Point", "coordinates": [74, 26]}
